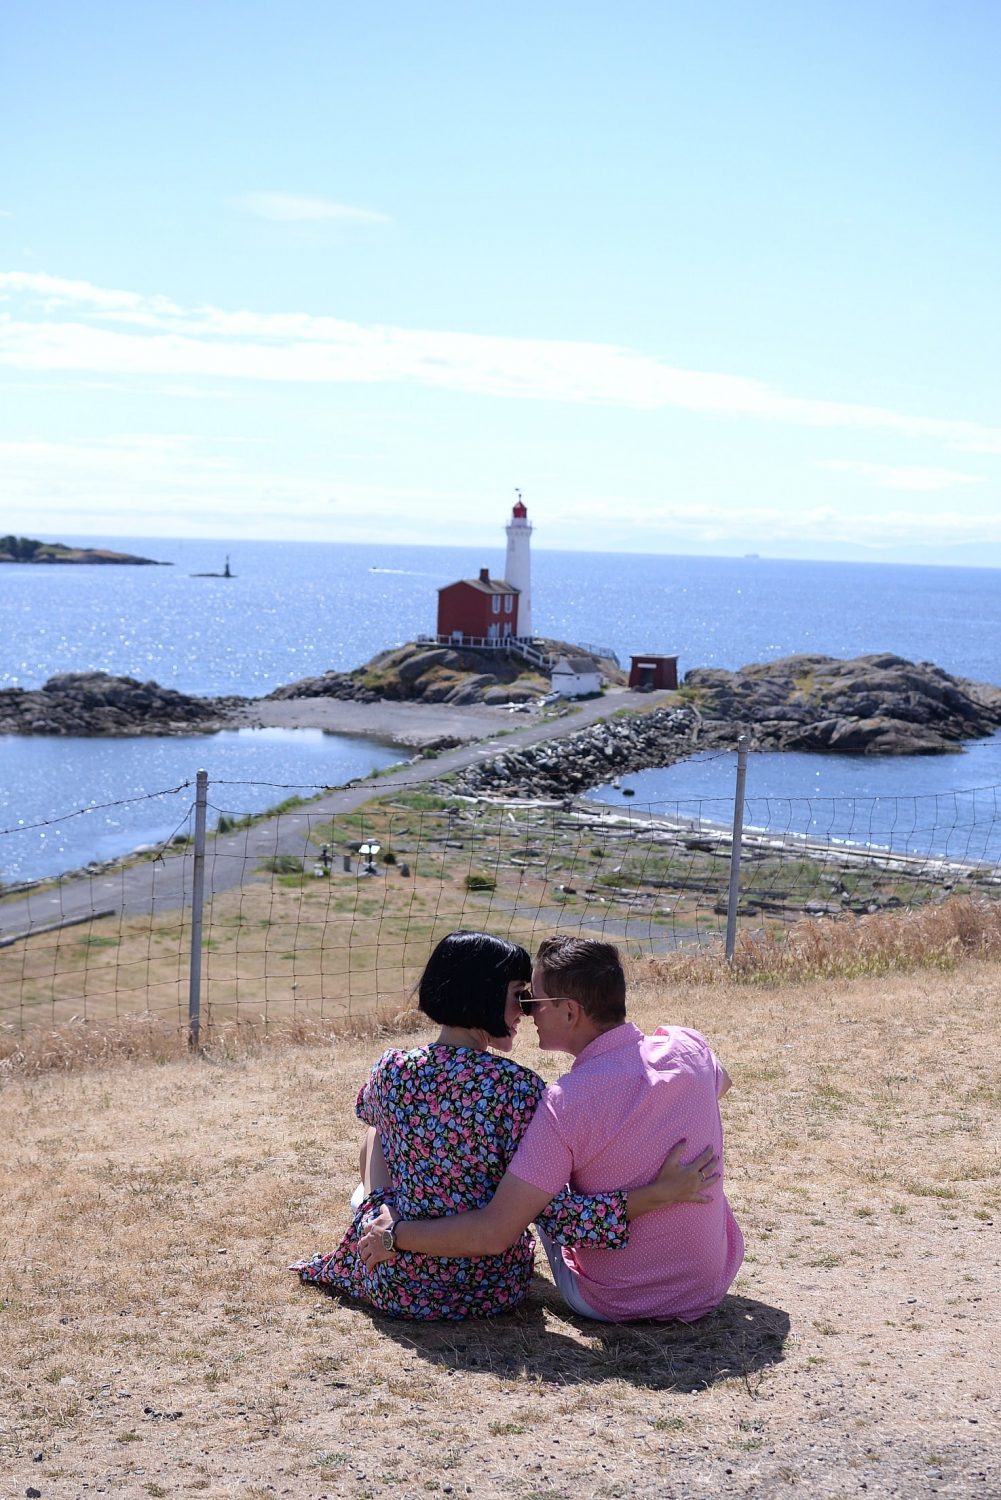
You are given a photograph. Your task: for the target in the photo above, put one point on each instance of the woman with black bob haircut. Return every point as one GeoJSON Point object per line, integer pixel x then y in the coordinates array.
{"type": "Point", "coordinates": [445, 1119]}
{"type": "Point", "coordinates": [467, 981]}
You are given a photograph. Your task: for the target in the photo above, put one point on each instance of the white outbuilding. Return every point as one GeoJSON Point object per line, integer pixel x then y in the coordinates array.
{"type": "Point", "coordinates": [576, 677]}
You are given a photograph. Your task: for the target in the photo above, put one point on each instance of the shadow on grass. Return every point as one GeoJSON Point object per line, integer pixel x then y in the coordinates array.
{"type": "Point", "coordinates": [543, 1341]}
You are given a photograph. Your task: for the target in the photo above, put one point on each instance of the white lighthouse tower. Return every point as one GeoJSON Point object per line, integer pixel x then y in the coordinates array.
{"type": "Point", "coordinates": [518, 567]}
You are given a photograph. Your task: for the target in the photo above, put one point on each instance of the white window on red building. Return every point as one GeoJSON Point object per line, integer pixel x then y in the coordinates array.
{"type": "Point", "coordinates": [495, 604]}
{"type": "Point", "coordinates": [508, 603]}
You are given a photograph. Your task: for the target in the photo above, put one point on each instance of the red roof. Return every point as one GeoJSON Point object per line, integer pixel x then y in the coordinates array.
{"type": "Point", "coordinates": [485, 585]}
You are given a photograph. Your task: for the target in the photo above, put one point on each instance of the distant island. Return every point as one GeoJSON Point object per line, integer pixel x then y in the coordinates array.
{"type": "Point", "coordinates": [25, 549]}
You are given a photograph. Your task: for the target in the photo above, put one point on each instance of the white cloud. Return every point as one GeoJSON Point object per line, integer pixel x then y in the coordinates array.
{"type": "Point", "coordinates": [68, 325]}
{"type": "Point", "coordinates": [625, 521]}
{"type": "Point", "coordinates": [156, 484]}
{"type": "Point", "coordinates": [289, 208]}
{"type": "Point", "coordinates": [902, 476]}
{"type": "Point", "coordinates": [173, 483]}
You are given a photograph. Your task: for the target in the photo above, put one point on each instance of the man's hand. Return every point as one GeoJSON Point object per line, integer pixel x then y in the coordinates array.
{"type": "Point", "coordinates": [370, 1247]}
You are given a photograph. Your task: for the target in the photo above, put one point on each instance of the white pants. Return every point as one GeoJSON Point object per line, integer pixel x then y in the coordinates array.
{"type": "Point", "coordinates": [567, 1280]}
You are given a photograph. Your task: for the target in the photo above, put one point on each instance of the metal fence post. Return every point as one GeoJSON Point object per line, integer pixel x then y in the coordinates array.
{"type": "Point", "coordinates": [738, 828]}
{"type": "Point", "coordinates": [197, 903]}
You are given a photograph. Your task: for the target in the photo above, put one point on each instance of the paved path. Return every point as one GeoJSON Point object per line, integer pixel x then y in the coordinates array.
{"type": "Point", "coordinates": [165, 885]}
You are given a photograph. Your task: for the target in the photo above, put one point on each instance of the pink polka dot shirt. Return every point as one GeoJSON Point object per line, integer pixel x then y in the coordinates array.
{"type": "Point", "coordinates": [610, 1122]}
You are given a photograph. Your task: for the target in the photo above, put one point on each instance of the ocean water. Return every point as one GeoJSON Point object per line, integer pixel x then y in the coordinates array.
{"type": "Point", "coordinates": [940, 806]}
{"type": "Point", "coordinates": [120, 793]}
{"type": "Point", "coordinates": [296, 609]}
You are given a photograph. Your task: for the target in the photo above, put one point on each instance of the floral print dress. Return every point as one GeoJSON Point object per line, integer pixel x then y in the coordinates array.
{"type": "Point", "coordinates": [449, 1119]}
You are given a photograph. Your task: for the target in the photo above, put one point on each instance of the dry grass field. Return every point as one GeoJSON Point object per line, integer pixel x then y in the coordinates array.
{"type": "Point", "coordinates": [153, 1344]}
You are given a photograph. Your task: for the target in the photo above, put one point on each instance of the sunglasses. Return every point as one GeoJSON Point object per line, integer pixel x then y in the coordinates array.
{"type": "Point", "coordinates": [527, 1000]}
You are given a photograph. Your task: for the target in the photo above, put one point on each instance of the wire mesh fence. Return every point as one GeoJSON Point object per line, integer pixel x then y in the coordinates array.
{"type": "Point", "coordinates": [328, 911]}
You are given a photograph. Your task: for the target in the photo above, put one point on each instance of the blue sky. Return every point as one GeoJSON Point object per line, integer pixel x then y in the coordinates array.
{"type": "Point", "coordinates": [699, 278]}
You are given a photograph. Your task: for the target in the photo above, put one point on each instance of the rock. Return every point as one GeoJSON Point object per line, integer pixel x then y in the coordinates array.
{"type": "Point", "coordinates": [585, 758]}
{"type": "Point", "coordinates": [438, 690]}
{"type": "Point", "coordinates": [415, 666]}
{"type": "Point", "coordinates": [802, 703]}
{"type": "Point", "coordinates": [82, 703]}
{"type": "Point", "coordinates": [515, 693]}
{"type": "Point", "coordinates": [873, 705]}
{"type": "Point", "coordinates": [435, 674]}
{"type": "Point", "coordinates": [470, 689]}
{"type": "Point", "coordinates": [879, 736]}
{"type": "Point", "coordinates": [330, 685]}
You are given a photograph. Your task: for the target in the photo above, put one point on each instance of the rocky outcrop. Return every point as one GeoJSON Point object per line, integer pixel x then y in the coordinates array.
{"type": "Point", "coordinates": [874, 705]}
{"type": "Point", "coordinates": [96, 703]}
{"type": "Point", "coordinates": [871, 705]}
{"type": "Point", "coordinates": [585, 759]}
{"type": "Point", "coordinates": [422, 673]}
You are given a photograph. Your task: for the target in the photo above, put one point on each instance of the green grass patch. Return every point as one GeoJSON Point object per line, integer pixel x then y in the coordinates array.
{"type": "Point", "coordinates": [427, 802]}
{"type": "Point", "coordinates": [281, 864]}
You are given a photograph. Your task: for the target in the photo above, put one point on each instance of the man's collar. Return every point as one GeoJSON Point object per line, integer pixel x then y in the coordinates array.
{"type": "Point", "coordinates": [608, 1041]}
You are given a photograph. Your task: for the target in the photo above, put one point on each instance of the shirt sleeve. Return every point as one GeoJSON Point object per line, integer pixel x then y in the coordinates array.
{"type": "Point", "coordinates": [518, 1091]}
{"type": "Point", "coordinates": [699, 1040]}
{"type": "Point", "coordinates": [596, 1219]}
{"type": "Point", "coordinates": [543, 1157]}
{"type": "Point", "coordinates": [366, 1105]}
{"type": "Point", "coordinates": [718, 1073]}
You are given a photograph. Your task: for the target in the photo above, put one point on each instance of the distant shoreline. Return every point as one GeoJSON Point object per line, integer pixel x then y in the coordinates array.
{"type": "Point", "coordinates": [29, 550]}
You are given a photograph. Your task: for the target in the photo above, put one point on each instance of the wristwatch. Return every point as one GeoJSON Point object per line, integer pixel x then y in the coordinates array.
{"type": "Point", "coordinates": [389, 1239]}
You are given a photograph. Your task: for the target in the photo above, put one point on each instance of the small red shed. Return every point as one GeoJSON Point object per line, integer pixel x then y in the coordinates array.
{"type": "Point", "coordinates": [649, 672]}
{"type": "Point", "coordinates": [483, 608]}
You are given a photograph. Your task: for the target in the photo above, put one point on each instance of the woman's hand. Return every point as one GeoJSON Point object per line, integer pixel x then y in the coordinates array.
{"type": "Point", "coordinates": [676, 1182]}
{"type": "Point", "coordinates": [686, 1182]}
{"type": "Point", "coordinates": [370, 1247]}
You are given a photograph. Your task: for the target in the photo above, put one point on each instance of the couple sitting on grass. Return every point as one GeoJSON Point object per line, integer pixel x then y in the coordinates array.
{"type": "Point", "coordinates": [466, 1148]}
